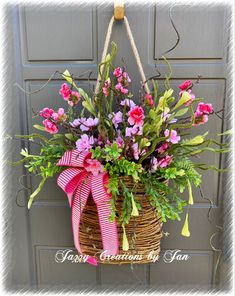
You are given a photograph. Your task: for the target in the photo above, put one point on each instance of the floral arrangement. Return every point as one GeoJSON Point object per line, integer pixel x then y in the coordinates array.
{"type": "Point", "coordinates": [147, 138]}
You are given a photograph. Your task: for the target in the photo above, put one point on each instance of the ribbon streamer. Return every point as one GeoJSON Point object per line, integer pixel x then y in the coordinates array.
{"type": "Point", "coordinates": [78, 183]}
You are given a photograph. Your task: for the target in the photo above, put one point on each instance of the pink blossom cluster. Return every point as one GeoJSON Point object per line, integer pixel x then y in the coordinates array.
{"type": "Point", "coordinates": [149, 100]}
{"type": "Point", "coordinates": [123, 80]}
{"type": "Point", "coordinates": [52, 118]}
{"type": "Point", "coordinates": [162, 163]}
{"type": "Point", "coordinates": [186, 86]}
{"type": "Point", "coordinates": [173, 137]}
{"type": "Point", "coordinates": [106, 87]}
{"type": "Point", "coordinates": [202, 113]}
{"type": "Point", "coordinates": [127, 123]}
{"type": "Point", "coordinates": [85, 143]}
{"type": "Point", "coordinates": [72, 97]}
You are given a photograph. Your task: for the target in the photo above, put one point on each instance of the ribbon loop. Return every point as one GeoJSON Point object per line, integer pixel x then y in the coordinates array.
{"type": "Point", "coordinates": [77, 182]}
{"type": "Point", "coordinates": [101, 198]}
{"type": "Point", "coordinates": [73, 159]}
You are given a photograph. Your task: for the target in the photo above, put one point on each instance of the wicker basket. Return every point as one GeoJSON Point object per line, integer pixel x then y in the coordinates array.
{"type": "Point", "coordinates": [144, 232]}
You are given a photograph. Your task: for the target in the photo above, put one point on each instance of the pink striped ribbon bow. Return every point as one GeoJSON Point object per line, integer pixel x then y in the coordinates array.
{"type": "Point", "coordinates": [78, 183]}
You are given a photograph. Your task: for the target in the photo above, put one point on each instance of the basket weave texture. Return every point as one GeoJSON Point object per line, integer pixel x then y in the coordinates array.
{"type": "Point", "coordinates": [144, 232]}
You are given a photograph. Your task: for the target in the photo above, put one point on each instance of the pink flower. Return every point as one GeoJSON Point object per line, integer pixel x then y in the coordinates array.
{"type": "Point", "coordinates": [85, 143]}
{"type": "Point", "coordinates": [75, 98]}
{"type": "Point", "coordinates": [46, 112]}
{"type": "Point", "coordinates": [154, 164]}
{"type": "Point", "coordinates": [94, 166]}
{"type": "Point", "coordinates": [106, 87]}
{"type": "Point", "coordinates": [121, 88]}
{"type": "Point", "coordinates": [136, 116]}
{"type": "Point", "coordinates": [149, 100]}
{"type": "Point", "coordinates": [128, 102]}
{"type": "Point", "coordinates": [124, 79]}
{"type": "Point", "coordinates": [201, 119]}
{"type": "Point", "coordinates": [164, 162]}
{"type": "Point", "coordinates": [60, 115]}
{"type": "Point", "coordinates": [185, 85]}
{"type": "Point", "coordinates": [116, 118]}
{"type": "Point", "coordinates": [50, 127]}
{"type": "Point", "coordinates": [174, 139]}
{"type": "Point", "coordinates": [88, 123]}
{"type": "Point", "coordinates": [203, 108]}
{"type": "Point", "coordinates": [202, 112]}
{"type": "Point", "coordinates": [76, 94]}
{"type": "Point", "coordinates": [134, 130]}
{"type": "Point", "coordinates": [117, 72]}
{"type": "Point", "coordinates": [65, 91]}
{"type": "Point", "coordinates": [163, 148]}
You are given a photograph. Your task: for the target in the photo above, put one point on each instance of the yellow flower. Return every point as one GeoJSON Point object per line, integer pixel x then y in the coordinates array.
{"type": "Point", "coordinates": [190, 200]}
{"type": "Point", "coordinates": [135, 211]}
{"type": "Point", "coordinates": [185, 230]}
{"type": "Point", "coordinates": [125, 244]}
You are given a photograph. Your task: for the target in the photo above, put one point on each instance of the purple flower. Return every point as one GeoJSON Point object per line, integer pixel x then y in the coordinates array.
{"type": "Point", "coordinates": [116, 118]}
{"type": "Point", "coordinates": [120, 141]}
{"type": "Point", "coordinates": [134, 130]}
{"type": "Point", "coordinates": [128, 102]}
{"type": "Point", "coordinates": [77, 122]}
{"type": "Point", "coordinates": [174, 139]}
{"type": "Point", "coordinates": [135, 150]}
{"type": "Point", "coordinates": [85, 143]}
{"type": "Point", "coordinates": [88, 123]}
{"type": "Point", "coordinates": [165, 117]}
{"type": "Point", "coordinates": [154, 164]}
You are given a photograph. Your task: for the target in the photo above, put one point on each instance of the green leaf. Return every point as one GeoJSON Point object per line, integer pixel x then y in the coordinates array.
{"type": "Point", "coordinates": [144, 142]}
{"type": "Point", "coordinates": [198, 140]}
{"type": "Point", "coordinates": [70, 137]}
{"type": "Point", "coordinates": [181, 112]}
{"type": "Point", "coordinates": [89, 106]}
{"type": "Point", "coordinates": [228, 132]}
{"type": "Point", "coordinates": [69, 79]}
{"type": "Point", "coordinates": [39, 127]}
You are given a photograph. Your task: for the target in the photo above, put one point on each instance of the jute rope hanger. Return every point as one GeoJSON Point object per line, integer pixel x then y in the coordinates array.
{"type": "Point", "coordinates": [134, 49]}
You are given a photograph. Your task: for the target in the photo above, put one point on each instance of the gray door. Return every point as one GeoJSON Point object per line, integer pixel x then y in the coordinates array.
{"type": "Point", "coordinates": [50, 38]}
